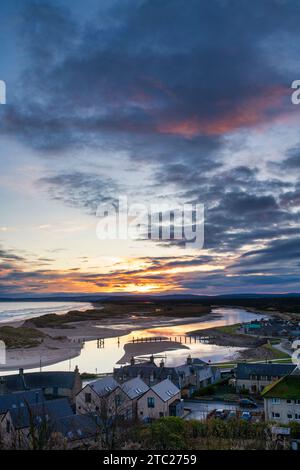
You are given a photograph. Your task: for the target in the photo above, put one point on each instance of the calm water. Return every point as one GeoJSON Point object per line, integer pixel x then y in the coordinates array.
{"type": "Point", "coordinates": [14, 311]}
{"type": "Point", "coordinates": [95, 359]}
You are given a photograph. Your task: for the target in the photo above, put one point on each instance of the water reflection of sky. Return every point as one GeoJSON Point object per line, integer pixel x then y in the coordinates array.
{"type": "Point", "coordinates": [93, 359]}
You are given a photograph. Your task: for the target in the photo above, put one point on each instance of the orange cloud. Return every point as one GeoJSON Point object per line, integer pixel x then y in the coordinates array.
{"type": "Point", "coordinates": [250, 113]}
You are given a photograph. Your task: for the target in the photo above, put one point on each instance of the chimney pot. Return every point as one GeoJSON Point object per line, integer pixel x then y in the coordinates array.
{"type": "Point", "coordinates": [189, 361]}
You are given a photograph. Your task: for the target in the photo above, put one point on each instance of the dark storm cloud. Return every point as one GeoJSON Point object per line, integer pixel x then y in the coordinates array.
{"type": "Point", "coordinates": [244, 284]}
{"type": "Point", "coordinates": [174, 68]}
{"type": "Point", "coordinates": [292, 160]}
{"type": "Point", "coordinates": [8, 255]}
{"type": "Point", "coordinates": [81, 190]}
{"type": "Point", "coordinates": [278, 250]}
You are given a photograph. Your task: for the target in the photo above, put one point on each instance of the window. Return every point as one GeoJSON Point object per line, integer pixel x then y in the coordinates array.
{"type": "Point", "coordinates": [275, 401]}
{"type": "Point", "coordinates": [297, 416]}
{"type": "Point", "coordinates": [151, 402]}
{"type": "Point", "coordinates": [297, 402]}
{"type": "Point", "coordinates": [161, 414]}
{"type": "Point", "coordinates": [88, 398]}
{"type": "Point", "coordinates": [289, 401]}
{"type": "Point", "coordinates": [276, 415]}
{"type": "Point", "coordinates": [290, 416]}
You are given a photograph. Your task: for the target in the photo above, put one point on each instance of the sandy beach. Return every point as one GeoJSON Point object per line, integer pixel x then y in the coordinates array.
{"type": "Point", "coordinates": [139, 349]}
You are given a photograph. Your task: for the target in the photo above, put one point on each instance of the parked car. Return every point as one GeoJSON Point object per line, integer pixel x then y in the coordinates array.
{"type": "Point", "coordinates": [221, 414]}
{"type": "Point", "coordinates": [247, 403]}
{"type": "Point", "coordinates": [232, 414]}
{"type": "Point", "coordinates": [246, 416]}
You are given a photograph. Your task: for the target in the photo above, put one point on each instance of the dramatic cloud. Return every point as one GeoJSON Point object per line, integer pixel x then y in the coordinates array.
{"type": "Point", "coordinates": [180, 100]}
{"type": "Point", "coordinates": [80, 190]}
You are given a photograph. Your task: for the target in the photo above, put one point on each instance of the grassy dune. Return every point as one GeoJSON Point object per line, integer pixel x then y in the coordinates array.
{"type": "Point", "coordinates": [20, 337]}
{"type": "Point", "coordinates": [117, 310]}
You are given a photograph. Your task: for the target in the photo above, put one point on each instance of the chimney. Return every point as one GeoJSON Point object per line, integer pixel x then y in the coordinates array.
{"type": "Point", "coordinates": [162, 364]}
{"type": "Point", "coordinates": [132, 361]}
{"type": "Point", "coordinates": [22, 377]}
{"type": "Point", "coordinates": [189, 360]}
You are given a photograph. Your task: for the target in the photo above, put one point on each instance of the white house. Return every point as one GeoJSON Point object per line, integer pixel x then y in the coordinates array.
{"type": "Point", "coordinates": [282, 399]}
{"type": "Point", "coordinates": [254, 377]}
{"type": "Point", "coordinates": [103, 397]}
{"type": "Point", "coordinates": [155, 403]}
{"type": "Point", "coordinates": [134, 389]}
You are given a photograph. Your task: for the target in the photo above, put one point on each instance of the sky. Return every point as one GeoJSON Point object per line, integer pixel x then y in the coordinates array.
{"type": "Point", "coordinates": [164, 101]}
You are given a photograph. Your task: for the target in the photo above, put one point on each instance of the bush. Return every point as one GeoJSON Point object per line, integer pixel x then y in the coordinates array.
{"type": "Point", "coordinates": [167, 433]}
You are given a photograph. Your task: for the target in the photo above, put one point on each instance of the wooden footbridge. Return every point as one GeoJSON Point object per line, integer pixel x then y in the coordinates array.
{"type": "Point", "coordinates": [176, 339]}
{"type": "Point", "coordinates": [183, 339]}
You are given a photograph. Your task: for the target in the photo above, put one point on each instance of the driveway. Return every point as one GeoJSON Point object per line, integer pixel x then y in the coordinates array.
{"type": "Point", "coordinates": [200, 409]}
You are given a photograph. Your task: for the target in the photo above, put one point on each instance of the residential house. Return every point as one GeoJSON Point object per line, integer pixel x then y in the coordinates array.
{"type": "Point", "coordinates": [282, 399]}
{"type": "Point", "coordinates": [134, 389]}
{"type": "Point", "coordinates": [103, 397]}
{"type": "Point", "coordinates": [195, 374]}
{"type": "Point", "coordinates": [191, 376]}
{"type": "Point", "coordinates": [156, 402]}
{"type": "Point", "coordinates": [53, 384]}
{"type": "Point", "coordinates": [76, 431]}
{"type": "Point", "coordinates": [5, 429]}
{"type": "Point", "coordinates": [27, 412]}
{"type": "Point", "coordinates": [148, 371]}
{"type": "Point", "coordinates": [23, 420]}
{"type": "Point", "coordinates": [15, 401]}
{"type": "Point", "coordinates": [255, 377]}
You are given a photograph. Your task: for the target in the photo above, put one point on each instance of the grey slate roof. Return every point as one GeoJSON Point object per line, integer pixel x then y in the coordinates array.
{"type": "Point", "coordinates": [146, 371]}
{"type": "Point", "coordinates": [244, 370]}
{"type": "Point", "coordinates": [49, 411]}
{"type": "Point", "coordinates": [33, 380]}
{"type": "Point", "coordinates": [104, 386]}
{"type": "Point", "coordinates": [134, 388]}
{"type": "Point", "coordinates": [165, 389]}
{"type": "Point", "coordinates": [50, 379]}
{"type": "Point", "coordinates": [76, 427]}
{"type": "Point", "coordinates": [20, 399]}
{"type": "Point", "coordinates": [12, 383]}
